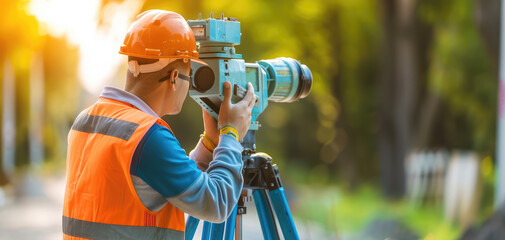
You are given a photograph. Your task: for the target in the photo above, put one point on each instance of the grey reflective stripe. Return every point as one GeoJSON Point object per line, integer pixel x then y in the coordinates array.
{"type": "Point", "coordinates": [152, 199]}
{"type": "Point", "coordinates": [93, 230]}
{"type": "Point", "coordinates": [104, 125]}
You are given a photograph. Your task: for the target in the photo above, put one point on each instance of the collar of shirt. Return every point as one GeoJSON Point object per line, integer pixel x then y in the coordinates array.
{"type": "Point", "coordinates": [124, 96]}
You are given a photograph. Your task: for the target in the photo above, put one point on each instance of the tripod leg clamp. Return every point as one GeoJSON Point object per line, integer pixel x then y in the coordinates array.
{"type": "Point", "coordinates": [271, 176]}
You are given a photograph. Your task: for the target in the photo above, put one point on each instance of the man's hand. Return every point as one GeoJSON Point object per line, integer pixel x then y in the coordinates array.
{"type": "Point", "coordinates": [210, 126]}
{"type": "Point", "coordinates": [237, 115]}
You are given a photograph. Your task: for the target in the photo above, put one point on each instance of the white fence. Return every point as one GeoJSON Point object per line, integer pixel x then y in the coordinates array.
{"type": "Point", "coordinates": [450, 180]}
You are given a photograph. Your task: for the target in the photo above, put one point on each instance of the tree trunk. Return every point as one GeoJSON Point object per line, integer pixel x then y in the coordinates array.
{"type": "Point", "coordinates": [487, 16]}
{"type": "Point", "coordinates": [397, 91]}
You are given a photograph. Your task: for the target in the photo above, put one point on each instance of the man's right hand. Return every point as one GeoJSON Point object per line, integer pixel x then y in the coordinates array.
{"type": "Point", "coordinates": [237, 115]}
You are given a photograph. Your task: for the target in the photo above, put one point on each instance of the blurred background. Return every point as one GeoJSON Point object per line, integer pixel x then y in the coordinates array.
{"type": "Point", "coordinates": [396, 140]}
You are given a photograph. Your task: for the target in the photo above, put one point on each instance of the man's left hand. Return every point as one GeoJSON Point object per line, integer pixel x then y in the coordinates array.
{"type": "Point", "coordinates": [210, 126]}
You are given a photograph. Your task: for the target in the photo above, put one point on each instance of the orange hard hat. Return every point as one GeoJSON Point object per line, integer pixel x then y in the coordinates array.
{"type": "Point", "coordinates": [159, 34]}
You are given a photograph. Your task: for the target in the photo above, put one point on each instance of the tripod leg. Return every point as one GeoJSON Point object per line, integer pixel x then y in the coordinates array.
{"type": "Point", "coordinates": [241, 209]}
{"type": "Point", "coordinates": [230, 225]}
{"type": "Point", "coordinates": [217, 231]}
{"type": "Point", "coordinates": [281, 207]}
{"type": "Point", "coordinates": [206, 230]}
{"type": "Point", "coordinates": [265, 216]}
{"type": "Point", "coordinates": [191, 225]}
{"type": "Point", "coordinates": [238, 228]}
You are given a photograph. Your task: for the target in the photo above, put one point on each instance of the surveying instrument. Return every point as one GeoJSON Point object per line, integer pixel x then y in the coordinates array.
{"type": "Point", "coordinates": [277, 80]}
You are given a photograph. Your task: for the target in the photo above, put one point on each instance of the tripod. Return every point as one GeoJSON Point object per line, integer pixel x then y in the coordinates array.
{"type": "Point", "coordinates": [263, 180]}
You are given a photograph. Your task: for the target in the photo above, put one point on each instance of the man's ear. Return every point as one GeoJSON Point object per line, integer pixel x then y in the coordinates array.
{"type": "Point", "coordinates": [173, 77]}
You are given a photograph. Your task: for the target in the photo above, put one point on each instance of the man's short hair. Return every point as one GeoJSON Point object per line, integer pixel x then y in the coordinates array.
{"type": "Point", "coordinates": [142, 61]}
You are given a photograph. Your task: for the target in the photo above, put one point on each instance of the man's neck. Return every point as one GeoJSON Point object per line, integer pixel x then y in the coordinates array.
{"type": "Point", "coordinates": [150, 99]}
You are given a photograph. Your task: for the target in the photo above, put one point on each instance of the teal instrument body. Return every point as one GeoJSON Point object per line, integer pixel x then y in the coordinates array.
{"type": "Point", "coordinates": [278, 80]}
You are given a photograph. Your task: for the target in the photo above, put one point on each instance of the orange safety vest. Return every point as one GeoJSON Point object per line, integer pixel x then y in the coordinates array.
{"type": "Point", "coordinates": [100, 200]}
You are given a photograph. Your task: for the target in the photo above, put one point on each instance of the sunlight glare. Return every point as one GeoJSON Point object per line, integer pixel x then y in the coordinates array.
{"type": "Point", "coordinates": [96, 32]}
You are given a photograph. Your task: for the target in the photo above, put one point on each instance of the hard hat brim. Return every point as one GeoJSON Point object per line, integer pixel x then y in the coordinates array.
{"type": "Point", "coordinates": [198, 61]}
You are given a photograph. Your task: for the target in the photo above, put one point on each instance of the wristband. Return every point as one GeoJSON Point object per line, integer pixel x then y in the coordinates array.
{"type": "Point", "coordinates": [207, 143]}
{"type": "Point", "coordinates": [230, 131]}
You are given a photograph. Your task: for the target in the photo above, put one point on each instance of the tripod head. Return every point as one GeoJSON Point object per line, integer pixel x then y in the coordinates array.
{"type": "Point", "coordinates": [258, 170]}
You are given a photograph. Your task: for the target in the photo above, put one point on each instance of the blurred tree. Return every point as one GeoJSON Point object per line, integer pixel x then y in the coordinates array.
{"type": "Point", "coordinates": [461, 71]}
{"type": "Point", "coordinates": [398, 90]}
{"type": "Point", "coordinates": [355, 36]}
{"type": "Point", "coordinates": [435, 80]}
{"type": "Point", "coordinates": [21, 38]}
{"type": "Point", "coordinates": [63, 95]}
{"type": "Point", "coordinates": [487, 16]}
{"type": "Point", "coordinates": [18, 39]}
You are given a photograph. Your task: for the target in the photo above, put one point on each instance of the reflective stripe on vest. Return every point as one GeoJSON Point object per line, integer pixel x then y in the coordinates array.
{"type": "Point", "coordinates": [93, 230]}
{"type": "Point", "coordinates": [104, 125]}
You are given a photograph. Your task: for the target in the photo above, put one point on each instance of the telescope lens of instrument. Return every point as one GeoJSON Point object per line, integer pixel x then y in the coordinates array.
{"type": "Point", "coordinates": [305, 81]}
{"type": "Point", "coordinates": [288, 79]}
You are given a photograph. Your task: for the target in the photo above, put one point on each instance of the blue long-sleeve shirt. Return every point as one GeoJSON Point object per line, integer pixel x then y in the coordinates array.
{"type": "Point", "coordinates": [204, 185]}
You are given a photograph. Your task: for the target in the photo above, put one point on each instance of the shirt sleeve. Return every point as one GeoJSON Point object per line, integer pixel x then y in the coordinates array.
{"type": "Point", "coordinates": [201, 155]}
{"type": "Point", "coordinates": [209, 195]}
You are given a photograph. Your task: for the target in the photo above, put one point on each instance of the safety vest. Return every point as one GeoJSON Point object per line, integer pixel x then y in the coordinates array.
{"type": "Point", "coordinates": [100, 200]}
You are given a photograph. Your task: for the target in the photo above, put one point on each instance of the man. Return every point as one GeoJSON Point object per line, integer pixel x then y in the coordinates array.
{"type": "Point", "coordinates": [127, 175]}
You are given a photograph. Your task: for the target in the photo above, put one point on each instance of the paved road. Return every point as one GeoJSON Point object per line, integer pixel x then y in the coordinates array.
{"type": "Point", "coordinates": [32, 210]}
{"type": "Point", "coordinates": [35, 214]}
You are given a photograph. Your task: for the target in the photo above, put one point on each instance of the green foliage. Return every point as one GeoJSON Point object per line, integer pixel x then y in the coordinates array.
{"type": "Point", "coordinates": [488, 173]}
{"type": "Point", "coordinates": [349, 213]}
{"type": "Point", "coordinates": [462, 73]}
